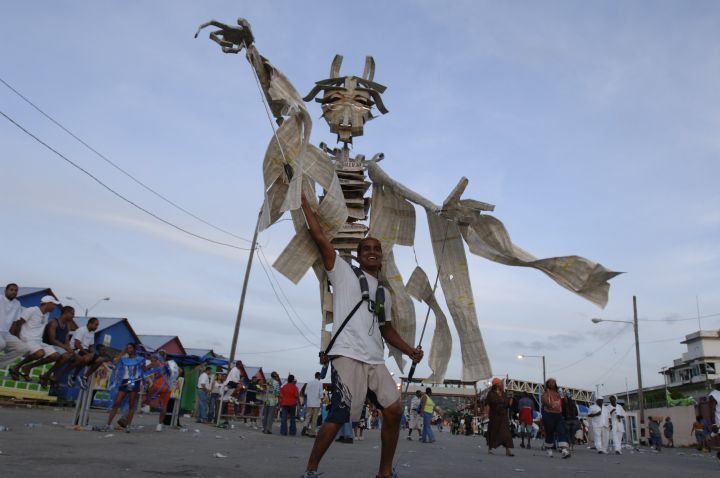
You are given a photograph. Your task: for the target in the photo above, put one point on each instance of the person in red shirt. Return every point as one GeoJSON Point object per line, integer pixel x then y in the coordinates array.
{"type": "Point", "coordinates": [289, 394]}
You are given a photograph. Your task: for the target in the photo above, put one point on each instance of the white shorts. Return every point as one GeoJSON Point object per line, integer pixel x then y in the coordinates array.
{"type": "Point", "coordinates": [352, 382]}
{"type": "Point", "coordinates": [34, 346]}
{"type": "Point", "coordinates": [415, 421]}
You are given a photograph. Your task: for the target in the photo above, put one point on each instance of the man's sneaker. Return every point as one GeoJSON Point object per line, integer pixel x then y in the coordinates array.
{"type": "Point", "coordinates": [565, 453]}
{"type": "Point", "coordinates": [549, 454]}
{"type": "Point", "coordinates": [310, 474]}
{"type": "Point", "coordinates": [409, 438]}
{"type": "Point", "coordinates": [618, 452]}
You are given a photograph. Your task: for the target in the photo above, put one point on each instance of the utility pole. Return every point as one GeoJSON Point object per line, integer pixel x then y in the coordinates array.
{"type": "Point", "coordinates": [244, 290]}
{"type": "Point", "coordinates": [641, 398]}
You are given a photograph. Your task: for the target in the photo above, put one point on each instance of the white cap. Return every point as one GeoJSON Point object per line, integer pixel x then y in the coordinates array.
{"type": "Point", "coordinates": [49, 299]}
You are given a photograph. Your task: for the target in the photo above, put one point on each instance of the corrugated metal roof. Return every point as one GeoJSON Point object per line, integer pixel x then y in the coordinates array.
{"type": "Point", "coordinates": [154, 342]}
{"type": "Point", "coordinates": [199, 352]}
{"type": "Point", "coordinates": [106, 323]}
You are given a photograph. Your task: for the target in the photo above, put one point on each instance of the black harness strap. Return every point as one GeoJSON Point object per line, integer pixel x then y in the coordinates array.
{"type": "Point", "coordinates": [377, 307]}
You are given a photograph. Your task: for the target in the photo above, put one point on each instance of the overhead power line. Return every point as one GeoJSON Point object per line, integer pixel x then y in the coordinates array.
{"type": "Point", "coordinates": [289, 316]}
{"type": "Point", "coordinates": [622, 329]}
{"type": "Point", "coordinates": [615, 366]}
{"type": "Point", "coordinates": [114, 165]}
{"type": "Point", "coordinates": [114, 192]}
{"type": "Point", "coordinates": [681, 320]}
{"type": "Point", "coordinates": [274, 276]}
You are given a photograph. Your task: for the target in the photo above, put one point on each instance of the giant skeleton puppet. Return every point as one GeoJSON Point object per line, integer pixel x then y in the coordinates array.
{"type": "Point", "coordinates": [292, 165]}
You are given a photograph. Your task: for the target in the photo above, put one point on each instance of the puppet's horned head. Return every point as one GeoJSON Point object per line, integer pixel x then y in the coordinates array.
{"type": "Point", "coordinates": [348, 100]}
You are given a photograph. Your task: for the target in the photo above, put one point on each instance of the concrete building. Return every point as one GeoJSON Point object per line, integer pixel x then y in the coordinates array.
{"type": "Point", "coordinates": [694, 373]}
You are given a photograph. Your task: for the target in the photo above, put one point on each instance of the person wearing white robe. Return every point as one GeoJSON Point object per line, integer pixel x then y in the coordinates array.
{"type": "Point", "coordinates": [596, 414]}
{"type": "Point", "coordinates": [617, 417]}
{"type": "Point", "coordinates": [606, 430]}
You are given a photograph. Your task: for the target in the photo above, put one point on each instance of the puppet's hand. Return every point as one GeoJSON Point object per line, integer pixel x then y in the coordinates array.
{"type": "Point", "coordinates": [231, 39]}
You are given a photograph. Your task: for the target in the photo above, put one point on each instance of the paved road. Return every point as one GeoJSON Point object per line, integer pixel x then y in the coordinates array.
{"type": "Point", "coordinates": [54, 450]}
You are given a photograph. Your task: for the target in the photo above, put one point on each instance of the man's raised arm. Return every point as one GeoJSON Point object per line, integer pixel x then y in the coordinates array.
{"type": "Point", "coordinates": [327, 251]}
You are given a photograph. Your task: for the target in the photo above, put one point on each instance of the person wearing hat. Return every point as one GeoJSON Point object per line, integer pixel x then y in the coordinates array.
{"type": "Point", "coordinates": [499, 403]}
{"type": "Point", "coordinates": [29, 328]}
{"type": "Point", "coordinates": [57, 336]}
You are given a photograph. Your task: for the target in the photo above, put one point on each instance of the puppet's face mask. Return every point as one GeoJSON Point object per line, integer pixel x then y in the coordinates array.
{"type": "Point", "coordinates": [347, 101]}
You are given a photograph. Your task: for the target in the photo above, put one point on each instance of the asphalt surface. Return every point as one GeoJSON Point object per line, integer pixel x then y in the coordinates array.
{"type": "Point", "coordinates": [55, 449]}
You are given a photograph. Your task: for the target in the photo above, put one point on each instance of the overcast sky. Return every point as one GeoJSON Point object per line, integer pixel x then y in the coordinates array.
{"type": "Point", "coordinates": [593, 128]}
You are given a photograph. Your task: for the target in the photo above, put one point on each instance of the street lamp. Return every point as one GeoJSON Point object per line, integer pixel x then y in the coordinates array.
{"type": "Point", "coordinates": [634, 323]}
{"type": "Point", "coordinates": [87, 309]}
{"type": "Point", "coordinates": [522, 356]}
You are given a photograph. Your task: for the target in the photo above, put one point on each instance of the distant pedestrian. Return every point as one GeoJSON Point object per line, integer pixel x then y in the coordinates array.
{"type": "Point", "coordinates": [525, 416]}
{"type": "Point", "coordinates": [289, 395]}
{"type": "Point", "coordinates": [252, 400]}
{"type": "Point", "coordinates": [313, 394]}
{"type": "Point", "coordinates": [128, 374]}
{"type": "Point", "coordinates": [359, 426]}
{"type": "Point", "coordinates": [232, 387]}
{"type": "Point", "coordinates": [272, 392]}
{"type": "Point", "coordinates": [215, 395]}
{"type": "Point", "coordinates": [499, 403]}
{"type": "Point", "coordinates": [428, 407]}
{"type": "Point", "coordinates": [415, 415]}
{"type": "Point", "coordinates": [345, 434]}
{"type": "Point", "coordinates": [10, 310]}
{"type": "Point", "coordinates": [698, 428]}
{"type": "Point", "coordinates": [203, 395]}
{"type": "Point", "coordinates": [617, 418]}
{"type": "Point", "coordinates": [553, 422]}
{"type": "Point", "coordinates": [600, 424]}
{"type": "Point", "coordinates": [668, 431]}
{"type": "Point", "coordinates": [570, 415]}
{"type": "Point", "coordinates": [654, 433]}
